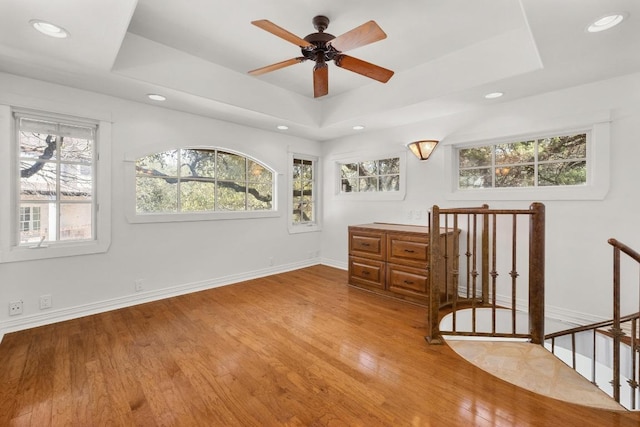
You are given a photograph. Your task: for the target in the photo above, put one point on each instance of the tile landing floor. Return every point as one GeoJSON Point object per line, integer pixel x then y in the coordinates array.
{"type": "Point", "coordinates": [534, 368]}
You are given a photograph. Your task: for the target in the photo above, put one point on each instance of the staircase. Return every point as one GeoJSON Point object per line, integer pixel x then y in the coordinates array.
{"type": "Point", "coordinates": [494, 300]}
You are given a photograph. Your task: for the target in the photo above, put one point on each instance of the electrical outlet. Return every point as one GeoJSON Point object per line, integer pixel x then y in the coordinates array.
{"type": "Point", "coordinates": [15, 308]}
{"type": "Point", "coordinates": [45, 301]}
{"type": "Point", "coordinates": [139, 285]}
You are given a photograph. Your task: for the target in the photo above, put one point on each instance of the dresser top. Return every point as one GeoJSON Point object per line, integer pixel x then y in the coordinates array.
{"type": "Point", "coordinates": [394, 227]}
{"type": "Point", "coordinates": [401, 228]}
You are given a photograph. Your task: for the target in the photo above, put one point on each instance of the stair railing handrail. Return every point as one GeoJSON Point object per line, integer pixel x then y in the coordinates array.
{"type": "Point", "coordinates": [616, 330]}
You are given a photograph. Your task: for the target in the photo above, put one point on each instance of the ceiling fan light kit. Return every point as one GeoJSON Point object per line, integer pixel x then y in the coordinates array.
{"type": "Point", "coordinates": [322, 48]}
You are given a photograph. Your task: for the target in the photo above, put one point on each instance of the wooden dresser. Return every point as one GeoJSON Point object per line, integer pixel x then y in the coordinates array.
{"type": "Point", "coordinates": [391, 259]}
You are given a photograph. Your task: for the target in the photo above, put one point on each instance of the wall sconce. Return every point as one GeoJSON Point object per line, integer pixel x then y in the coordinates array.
{"type": "Point", "coordinates": [423, 149]}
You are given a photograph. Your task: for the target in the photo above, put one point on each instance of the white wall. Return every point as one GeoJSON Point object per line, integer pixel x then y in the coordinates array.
{"type": "Point", "coordinates": [186, 256]}
{"type": "Point", "coordinates": [578, 258]}
{"type": "Point", "coordinates": [171, 257]}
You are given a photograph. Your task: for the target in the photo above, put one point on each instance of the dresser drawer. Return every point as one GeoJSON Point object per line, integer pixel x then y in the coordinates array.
{"type": "Point", "coordinates": [367, 272]}
{"type": "Point", "coordinates": [407, 280]}
{"type": "Point", "coordinates": [408, 249]}
{"type": "Point", "coordinates": [367, 244]}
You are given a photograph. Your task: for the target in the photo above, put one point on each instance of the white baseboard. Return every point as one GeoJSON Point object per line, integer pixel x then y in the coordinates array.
{"type": "Point", "coordinates": [54, 316]}
{"type": "Point", "coordinates": [49, 317]}
{"type": "Point", "coordinates": [559, 314]}
{"type": "Point", "coordinates": [335, 264]}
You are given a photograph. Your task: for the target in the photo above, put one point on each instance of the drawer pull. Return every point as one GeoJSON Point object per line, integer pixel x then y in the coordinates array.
{"type": "Point", "coordinates": [366, 273]}
{"type": "Point", "coordinates": [410, 251]}
{"type": "Point", "coordinates": [408, 282]}
{"type": "Point", "coordinates": [365, 244]}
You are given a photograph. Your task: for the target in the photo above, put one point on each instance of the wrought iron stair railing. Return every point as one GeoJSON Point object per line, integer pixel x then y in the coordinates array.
{"type": "Point", "coordinates": [622, 339]}
{"type": "Point", "coordinates": [510, 279]}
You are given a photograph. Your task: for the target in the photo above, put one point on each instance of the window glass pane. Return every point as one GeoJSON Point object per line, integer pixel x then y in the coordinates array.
{"type": "Point", "coordinates": [473, 157]}
{"type": "Point", "coordinates": [349, 185]}
{"type": "Point", "coordinates": [76, 150]}
{"type": "Point", "coordinates": [475, 178]}
{"type": "Point", "coordinates": [258, 173]}
{"type": "Point", "coordinates": [260, 197]}
{"type": "Point", "coordinates": [307, 210]}
{"type": "Point", "coordinates": [368, 184]}
{"type": "Point", "coordinates": [75, 182]}
{"type": "Point", "coordinates": [37, 145]}
{"type": "Point", "coordinates": [515, 176]}
{"type": "Point", "coordinates": [198, 163]}
{"type": "Point", "coordinates": [389, 166]}
{"type": "Point", "coordinates": [368, 168]}
{"type": "Point", "coordinates": [158, 164]}
{"type": "Point", "coordinates": [155, 195]}
{"type": "Point", "coordinates": [562, 173]}
{"type": "Point", "coordinates": [31, 221]}
{"type": "Point", "coordinates": [197, 196]}
{"type": "Point", "coordinates": [38, 181]}
{"type": "Point", "coordinates": [349, 170]}
{"type": "Point", "coordinates": [75, 221]}
{"type": "Point", "coordinates": [563, 147]}
{"type": "Point", "coordinates": [390, 183]}
{"type": "Point", "coordinates": [516, 152]}
{"type": "Point", "coordinates": [230, 167]}
{"type": "Point", "coordinates": [231, 196]}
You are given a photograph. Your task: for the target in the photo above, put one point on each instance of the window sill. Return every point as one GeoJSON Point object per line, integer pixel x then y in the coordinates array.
{"type": "Point", "coordinates": [540, 194]}
{"type": "Point", "coordinates": [306, 228]}
{"type": "Point", "coordinates": [198, 216]}
{"type": "Point", "coordinates": [58, 250]}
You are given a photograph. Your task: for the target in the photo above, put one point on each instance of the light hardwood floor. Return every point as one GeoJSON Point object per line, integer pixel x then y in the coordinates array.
{"type": "Point", "coordinates": [299, 348]}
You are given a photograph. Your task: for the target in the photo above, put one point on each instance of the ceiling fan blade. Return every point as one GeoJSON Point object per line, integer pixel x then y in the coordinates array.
{"type": "Point", "coordinates": [281, 32]}
{"type": "Point", "coordinates": [277, 66]}
{"type": "Point", "coordinates": [363, 67]}
{"type": "Point", "coordinates": [366, 33]}
{"type": "Point", "coordinates": [320, 80]}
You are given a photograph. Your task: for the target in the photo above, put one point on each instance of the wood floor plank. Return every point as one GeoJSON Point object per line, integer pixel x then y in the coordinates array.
{"type": "Point", "coordinates": [297, 349]}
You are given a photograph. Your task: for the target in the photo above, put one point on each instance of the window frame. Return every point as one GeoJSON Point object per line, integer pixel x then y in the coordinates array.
{"type": "Point", "coordinates": [371, 195]}
{"type": "Point", "coordinates": [10, 249]}
{"type": "Point", "coordinates": [316, 224]}
{"type": "Point", "coordinates": [597, 157]}
{"type": "Point", "coordinates": [140, 218]}
{"type": "Point", "coordinates": [535, 163]}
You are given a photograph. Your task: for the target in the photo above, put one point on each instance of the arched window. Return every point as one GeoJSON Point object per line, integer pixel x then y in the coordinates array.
{"type": "Point", "coordinates": [186, 180]}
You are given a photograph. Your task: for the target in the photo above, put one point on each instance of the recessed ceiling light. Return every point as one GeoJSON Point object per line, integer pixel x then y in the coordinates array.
{"type": "Point", "coordinates": [358, 127]}
{"type": "Point", "coordinates": [493, 95]}
{"type": "Point", "coordinates": [606, 22]}
{"type": "Point", "coordinates": [156, 97]}
{"type": "Point", "coordinates": [49, 29]}
{"type": "Point", "coordinates": [282, 127]}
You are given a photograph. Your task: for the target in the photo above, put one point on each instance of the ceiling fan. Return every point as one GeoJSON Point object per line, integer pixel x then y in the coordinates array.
{"type": "Point", "coordinates": [323, 47]}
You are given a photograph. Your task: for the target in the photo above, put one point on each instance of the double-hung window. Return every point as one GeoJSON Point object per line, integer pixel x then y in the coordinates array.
{"type": "Point", "coordinates": [56, 162]}
{"type": "Point", "coordinates": [303, 211]}
{"type": "Point", "coordinates": [53, 203]}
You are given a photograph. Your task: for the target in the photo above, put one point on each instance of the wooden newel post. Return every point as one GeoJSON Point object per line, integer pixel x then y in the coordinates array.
{"type": "Point", "coordinates": [435, 268]}
{"type": "Point", "coordinates": [536, 273]}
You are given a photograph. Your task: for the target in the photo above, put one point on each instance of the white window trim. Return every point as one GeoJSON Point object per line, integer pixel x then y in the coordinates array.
{"type": "Point", "coordinates": [9, 251]}
{"type": "Point", "coordinates": [598, 155]}
{"type": "Point", "coordinates": [308, 227]}
{"type": "Point", "coordinates": [136, 218]}
{"type": "Point", "coordinates": [373, 195]}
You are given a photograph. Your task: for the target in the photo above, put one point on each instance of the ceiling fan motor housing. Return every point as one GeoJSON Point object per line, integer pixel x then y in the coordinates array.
{"type": "Point", "coordinates": [321, 51]}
